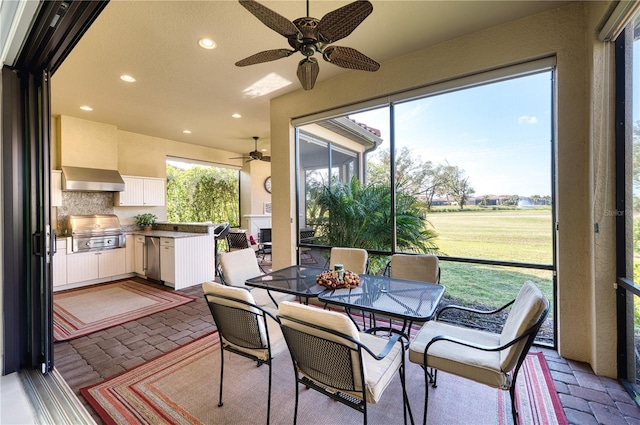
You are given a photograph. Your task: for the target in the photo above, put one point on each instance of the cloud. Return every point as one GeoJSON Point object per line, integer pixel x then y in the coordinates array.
{"type": "Point", "coordinates": [526, 119]}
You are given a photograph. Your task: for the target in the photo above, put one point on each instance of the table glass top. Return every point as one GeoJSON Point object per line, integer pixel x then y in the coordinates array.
{"type": "Point", "coordinates": [297, 280]}
{"type": "Point", "coordinates": [394, 297]}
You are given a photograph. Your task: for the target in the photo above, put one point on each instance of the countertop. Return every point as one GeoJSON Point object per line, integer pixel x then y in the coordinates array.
{"type": "Point", "coordinates": [167, 234]}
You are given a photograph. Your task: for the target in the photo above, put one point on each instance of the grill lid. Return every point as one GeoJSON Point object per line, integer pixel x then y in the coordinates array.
{"type": "Point", "coordinates": [97, 224]}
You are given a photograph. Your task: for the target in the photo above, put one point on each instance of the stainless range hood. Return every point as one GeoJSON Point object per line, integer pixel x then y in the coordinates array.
{"type": "Point", "coordinates": [91, 180]}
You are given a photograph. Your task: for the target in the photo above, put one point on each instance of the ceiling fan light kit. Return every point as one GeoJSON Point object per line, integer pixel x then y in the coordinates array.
{"type": "Point", "coordinates": [309, 35]}
{"type": "Point", "coordinates": [255, 155]}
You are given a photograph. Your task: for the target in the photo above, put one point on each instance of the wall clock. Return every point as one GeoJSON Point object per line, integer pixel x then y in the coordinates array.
{"type": "Point", "coordinates": [267, 184]}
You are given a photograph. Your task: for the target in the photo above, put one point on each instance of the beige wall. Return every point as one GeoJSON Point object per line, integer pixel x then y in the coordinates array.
{"type": "Point", "coordinates": [586, 294]}
{"type": "Point", "coordinates": [85, 143]}
{"type": "Point", "coordinates": [90, 146]}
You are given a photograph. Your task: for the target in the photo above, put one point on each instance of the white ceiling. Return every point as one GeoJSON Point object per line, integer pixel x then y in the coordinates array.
{"type": "Point", "coordinates": [182, 86]}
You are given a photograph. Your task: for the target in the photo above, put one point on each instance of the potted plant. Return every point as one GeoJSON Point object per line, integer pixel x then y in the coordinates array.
{"type": "Point", "coordinates": [145, 220]}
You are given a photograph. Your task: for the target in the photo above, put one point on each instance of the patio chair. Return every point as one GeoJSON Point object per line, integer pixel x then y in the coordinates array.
{"type": "Point", "coordinates": [353, 259]}
{"type": "Point", "coordinates": [219, 232]}
{"type": "Point", "coordinates": [330, 356]}
{"type": "Point", "coordinates": [419, 268]}
{"type": "Point", "coordinates": [238, 239]}
{"type": "Point", "coordinates": [244, 328]}
{"type": "Point", "coordinates": [238, 266]}
{"type": "Point", "coordinates": [489, 358]}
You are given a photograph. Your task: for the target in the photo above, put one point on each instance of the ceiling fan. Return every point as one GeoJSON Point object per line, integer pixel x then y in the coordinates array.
{"type": "Point", "coordinates": [255, 154]}
{"type": "Point", "coordinates": [310, 35]}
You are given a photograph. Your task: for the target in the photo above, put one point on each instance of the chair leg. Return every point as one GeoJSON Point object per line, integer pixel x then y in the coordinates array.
{"type": "Point", "coordinates": [295, 410]}
{"type": "Point", "coordinates": [426, 395]}
{"type": "Point", "coordinates": [221, 374]}
{"type": "Point", "coordinates": [514, 410]}
{"type": "Point", "coordinates": [405, 398]}
{"type": "Point", "coordinates": [269, 396]}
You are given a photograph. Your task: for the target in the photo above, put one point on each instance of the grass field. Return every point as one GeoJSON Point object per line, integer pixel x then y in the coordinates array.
{"type": "Point", "coordinates": [506, 235]}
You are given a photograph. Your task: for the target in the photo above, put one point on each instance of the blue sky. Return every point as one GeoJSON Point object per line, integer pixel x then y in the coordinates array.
{"type": "Point", "coordinates": [499, 134]}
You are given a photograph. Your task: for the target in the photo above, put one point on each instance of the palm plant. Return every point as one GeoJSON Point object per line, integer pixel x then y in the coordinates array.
{"type": "Point", "coordinates": [354, 214]}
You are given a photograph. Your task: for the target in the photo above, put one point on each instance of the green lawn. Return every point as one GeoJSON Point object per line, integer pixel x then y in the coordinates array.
{"type": "Point", "coordinates": [505, 235]}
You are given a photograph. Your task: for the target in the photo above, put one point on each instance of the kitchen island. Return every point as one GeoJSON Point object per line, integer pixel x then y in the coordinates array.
{"type": "Point", "coordinates": [185, 257]}
{"type": "Point", "coordinates": [178, 255]}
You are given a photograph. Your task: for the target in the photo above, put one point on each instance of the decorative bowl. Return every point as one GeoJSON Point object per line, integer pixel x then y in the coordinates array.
{"type": "Point", "coordinates": [330, 280]}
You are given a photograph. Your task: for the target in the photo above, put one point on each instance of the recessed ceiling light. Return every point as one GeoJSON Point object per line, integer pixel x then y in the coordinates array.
{"type": "Point", "coordinates": [236, 116]}
{"type": "Point", "coordinates": [207, 43]}
{"type": "Point", "coordinates": [264, 149]}
{"type": "Point", "coordinates": [127, 78]}
{"type": "Point", "coordinates": [186, 131]}
{"type": "Point", "coordinates": [86, 108]}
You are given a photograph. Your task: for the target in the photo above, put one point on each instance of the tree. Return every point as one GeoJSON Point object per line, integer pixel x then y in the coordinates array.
{"type": "Point", "coordinates": [413, 176]}
{"type": "Point", "coordinates": [354, 214]}
{"type": "Point", "coordinates": [459, 187]}
{"type": "Point", "coordinates": [202, 194]}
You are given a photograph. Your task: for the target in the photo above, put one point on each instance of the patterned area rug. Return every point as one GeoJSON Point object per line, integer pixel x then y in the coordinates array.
{"type": "Point", "coordinates": [182, 387]}
{"type": "Point", "coordinates": [79, 312]}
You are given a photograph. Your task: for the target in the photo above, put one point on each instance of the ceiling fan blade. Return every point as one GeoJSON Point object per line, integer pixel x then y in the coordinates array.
{"type": "Point", "coordinates": [266, 159]}
{"type": "Point", "coordinates": [346, 57]}
{"type": "Point", "coordinates": [239, 157]}
{"type": "Point", "coordinates": [273, 20]}
{"type": "Point", "coordinates": [341, 22]}
{"type": "Point", "coordinates": [266, 56]}
{"type": "Point", "coordinates": [308, 70]}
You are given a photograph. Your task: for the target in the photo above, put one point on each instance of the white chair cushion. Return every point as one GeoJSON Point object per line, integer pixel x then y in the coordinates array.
{"type": "Point", "coordinates": [525, 312]}
{"type": "Point", "coordinates": [478, 365]}
{"type": "Point", "coordinates": [276, 339]}
{"type": "Point", "coordinates": [353, 259]}
{"type": "Point", "coordinates": [238, 266]}
{"type": "Point", "coordinates": [420, 268]}
{"type": "Point", "coordinates": [377, 373]}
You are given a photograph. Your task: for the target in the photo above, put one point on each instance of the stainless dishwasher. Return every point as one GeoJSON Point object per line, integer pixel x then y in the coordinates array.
{"type": "Point", "coordinates": [152, 254]}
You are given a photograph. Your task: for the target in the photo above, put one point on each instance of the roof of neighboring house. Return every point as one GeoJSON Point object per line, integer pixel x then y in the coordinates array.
{"type": "Point", "coordinates": [353, 130]}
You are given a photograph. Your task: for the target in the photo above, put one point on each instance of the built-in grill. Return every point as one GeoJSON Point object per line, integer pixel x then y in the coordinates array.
{"type": "Point", "coordinates": [95, 232]}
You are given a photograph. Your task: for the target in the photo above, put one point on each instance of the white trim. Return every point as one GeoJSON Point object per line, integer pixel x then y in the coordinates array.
{"type": "Point", "coordinates": [473, 80]}
{"type": "Point", "coordinates": [490, 76]}
{"type": "Point", "coordinates": [619, 18]}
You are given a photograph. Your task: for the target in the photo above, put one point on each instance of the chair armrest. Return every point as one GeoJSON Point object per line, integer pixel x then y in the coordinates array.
{"type": "Point", "coordinates": [471, 310]}
{"type": "Point", "coordinates": [459, 341]}
{"type": "Point", "coordinates": [387, 348]}
{"type": "Point", "coordinates": [389, 330]}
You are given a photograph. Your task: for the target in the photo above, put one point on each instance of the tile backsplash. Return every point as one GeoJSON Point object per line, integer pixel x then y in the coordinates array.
{"type": "Point", "coordinates": [82, 203]}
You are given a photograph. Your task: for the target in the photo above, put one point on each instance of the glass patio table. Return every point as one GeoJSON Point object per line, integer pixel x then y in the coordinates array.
{"type": "Point", "coordinates": [295, 280]}
{"type": "Point", "coordinates": [406, 300]}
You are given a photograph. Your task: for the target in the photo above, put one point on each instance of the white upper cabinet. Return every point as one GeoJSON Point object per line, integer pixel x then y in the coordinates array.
{"type": "Point", "coordinates": [141, 191]}
{"type": "Point", "coordinates": [56, 188]}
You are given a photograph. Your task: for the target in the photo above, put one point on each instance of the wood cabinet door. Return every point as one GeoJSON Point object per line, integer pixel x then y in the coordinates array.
{"type": "Point", "coordinates": [133, 193]}
{"type": "Point", "coordinates": [111, 262]}
{"type": "Point", "coordinates": [82, 266]}
{"type": "Point", "coordinates": [154, 192]}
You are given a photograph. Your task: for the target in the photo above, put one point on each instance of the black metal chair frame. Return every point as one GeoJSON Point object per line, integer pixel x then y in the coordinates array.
{"type": "Point", "coordinates": [218, 233]}
{"type": "Point", "coordinates": [241, 327]}
{"type": "Point", "coordinates": [407, 324]}
{"type": "Point", "coordinates": [240, 240]}
{"type": "Point", "coordinates": [302, 347]}
{"type": "Point", "coordinates": [529, 335]}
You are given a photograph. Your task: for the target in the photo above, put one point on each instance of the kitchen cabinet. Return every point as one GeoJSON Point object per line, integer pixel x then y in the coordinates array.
{"type": "Point", "coordinates": [56, 188]}
{"type": "Point", "coordinates": [139, 263]}
{"type": "Point", "coordinates": [187, 261]}
{"type": "Point", "coordinates": [130, 254]}
{"type": "Point", "coordinates": [59, 263]}
{"type": "Point", "coordinates": [168, 261]}
{"type": "Point", "coordinates": [141, 191]}
{"type": "Point", "coordinates": [84, 266]}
